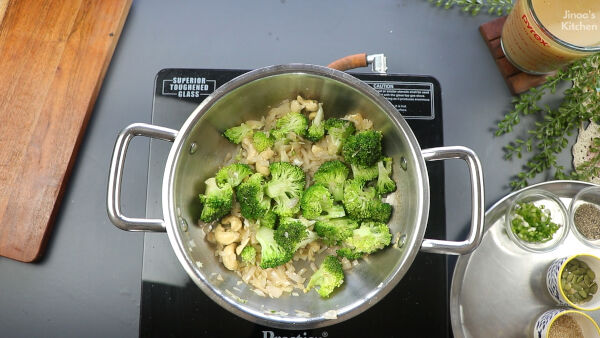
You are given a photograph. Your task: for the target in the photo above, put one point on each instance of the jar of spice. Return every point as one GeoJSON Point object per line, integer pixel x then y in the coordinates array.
{"type": "Point", "coordinates": [585, 216]}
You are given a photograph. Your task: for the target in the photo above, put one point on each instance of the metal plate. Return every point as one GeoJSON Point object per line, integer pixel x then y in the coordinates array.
{"type": "Point", "coordinates": [500, 289]}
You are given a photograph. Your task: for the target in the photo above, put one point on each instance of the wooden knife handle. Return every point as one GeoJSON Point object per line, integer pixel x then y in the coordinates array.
{"type": "Point", "coordinates": [349, 62]}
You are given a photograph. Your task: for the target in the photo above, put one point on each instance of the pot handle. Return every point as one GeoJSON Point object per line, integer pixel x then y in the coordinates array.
{"type": "Point", "coordinates": [115, 177]}
{"type": "Point", "coordinates": [477, 201]}
{"type": "Point", "coordinates": [378, 62]}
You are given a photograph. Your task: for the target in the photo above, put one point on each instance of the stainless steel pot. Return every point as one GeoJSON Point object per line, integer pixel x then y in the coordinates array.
{"type": "Point", "coordinates": [247, 97]}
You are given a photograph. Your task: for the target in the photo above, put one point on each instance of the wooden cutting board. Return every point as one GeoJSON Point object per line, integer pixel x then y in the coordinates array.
{"type": "Point", "coordinates": [53, 57]}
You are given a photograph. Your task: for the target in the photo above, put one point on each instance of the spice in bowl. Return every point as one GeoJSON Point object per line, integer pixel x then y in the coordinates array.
{"type": "Point", "coordinates": [565, 323]}
{"type": "Point", "coordinates": [587, 221]}
{"type": "Point", "coordinates": [533, 224]}
{"type": "Point", "coordinates": [577, 281]}
{"type": "Point", "coordinates": [565, 327]}
{"type": "Point", "coordinates": [571, 281]}
{"type": "Point", "coordinates": [584, 214]}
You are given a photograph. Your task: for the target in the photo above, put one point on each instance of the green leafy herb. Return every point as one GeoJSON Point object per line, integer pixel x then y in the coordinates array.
{"type": "Point", "coordinates": [581, 104]}
{"type": "Point", "coordinates": [533, 224]}
{"type": "Point", "coordinates": [474, 7]}
{"type": "Point", "coordinates": [590, 168]}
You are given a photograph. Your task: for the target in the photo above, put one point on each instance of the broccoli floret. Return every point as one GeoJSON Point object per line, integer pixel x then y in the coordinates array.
{"type": "Point", "coordinates": [333, 231]}
{"type": "Point", "coordinates": [233, 174]}
{"type": "Point", "coordinates": [360, 172]}
{"type": "Point", "coordinates": [363, 204]}
{"type": "Point", "coordinates": [329, 276]}
{"type": "Point", "coordinates": [364, 148]}
{"type": "Point", "coordinates": [291, 122]}
{"type": "Point", "coordinates": [333, 174]}
{"type": "Point", "coordinates": [286, 186]}
{"type": "Point", "coordinates": [272, 254]}
{"type": "Point", "coordinates": [317, 200]}
{"type": "Point", "coordinates": [317, 128]}
{"type": "Point", "coordinates": [358, 201]}
{"type": "Point", "coordinates": [311, 237]}
{"type": "Point", "coordinates": [291, 234]}
{"type": "Point", "coordinates": [349, 253]}
{"type": "Point", "coordinates": [339, 130]}
{"type": "Point", "coordinates": [381, 212]}
{"type": "Point", "coordinates": [370, 237]}
{"type": "Point", "coordinates": [237, 134]}
{"type": "Point", "coordinates": [307, 223]}
{"type": "Point", "coordinates": [248, 254]}
{"type": "Point", "coordinates": [262, 141]}
{"type": "Point", "coordinates": [269, 220]}
{"type": "Point", "coordinates": [384, 183]}
{"type": "Point", "coordinates": [253, 202]}
{"type": "Point", "coordinates": [217, 201]}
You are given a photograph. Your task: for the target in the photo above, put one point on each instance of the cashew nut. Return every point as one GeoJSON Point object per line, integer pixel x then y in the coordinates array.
{"type": "Point", "coordinates": [254, 124]}
{"type": "Point", "coordinates": [318, 151]}
{"type": "Point", "coordinates": [263, 167]}
{"type": "Point", "coordinates": [252, 153]}
{"type": "Point", "coordinates": [210, 237]}
{"type": "Point", "coordinates": [229, 257]}
{"type": "Point", "coordinates": [296, 106]}
{"type": "Point", "coordinates": [360, 122]}
{"type": "Point", "coordinates": [309, 105]}
{"type": "Point", "coordinates": [234, 221]}
{"type": "Point", "coordinates": [267, 154]}
{"type": "Point", "coordinates": [225, 237]}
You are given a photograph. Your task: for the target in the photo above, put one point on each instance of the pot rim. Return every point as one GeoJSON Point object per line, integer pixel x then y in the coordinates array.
{"type": "Point", "coordinates": [275, 320]}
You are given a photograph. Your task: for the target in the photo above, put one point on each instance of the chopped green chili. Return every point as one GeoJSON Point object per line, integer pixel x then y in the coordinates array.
{"type": "Point", "coordinates": [533, 224]}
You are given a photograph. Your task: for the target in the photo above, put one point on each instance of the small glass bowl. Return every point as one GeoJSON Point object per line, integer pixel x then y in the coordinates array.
{"type": "Point", "coordinates": [558, 214]}
{"type": "Point", "coordinates": [591, 196]}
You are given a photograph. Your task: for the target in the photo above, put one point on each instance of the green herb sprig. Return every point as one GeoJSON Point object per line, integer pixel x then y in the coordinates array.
{"type": "Point", "coordinates": [581, 104]}
{"type": "Point", "coordinates": [474, 7]}
{"type": "Point", "coordinates": [590, 168]}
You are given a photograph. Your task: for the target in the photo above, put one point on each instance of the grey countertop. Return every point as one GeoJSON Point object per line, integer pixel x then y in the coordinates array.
{"type": "Point", "coordinates": [88, 282]}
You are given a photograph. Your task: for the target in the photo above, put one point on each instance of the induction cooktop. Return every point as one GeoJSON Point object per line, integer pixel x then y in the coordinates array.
{"type": "Point", "coordinates": [173, 306]}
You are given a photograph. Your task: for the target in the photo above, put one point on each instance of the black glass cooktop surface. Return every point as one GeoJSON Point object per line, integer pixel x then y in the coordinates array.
{"type": "Point", "coordinates": [173, 306]}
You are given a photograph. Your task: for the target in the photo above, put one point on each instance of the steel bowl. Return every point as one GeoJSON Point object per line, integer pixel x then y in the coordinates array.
{"type": "Point", "coordinates": [248, 97]}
